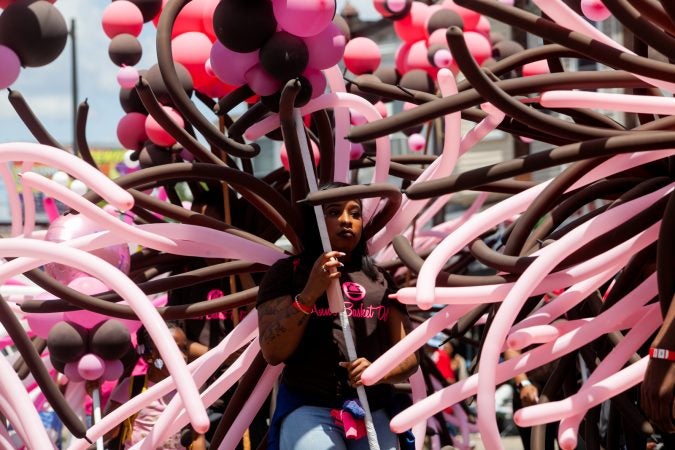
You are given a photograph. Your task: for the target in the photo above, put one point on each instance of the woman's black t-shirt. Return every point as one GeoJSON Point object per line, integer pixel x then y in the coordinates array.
{"type": "Point", "coordinates": [312, 371]}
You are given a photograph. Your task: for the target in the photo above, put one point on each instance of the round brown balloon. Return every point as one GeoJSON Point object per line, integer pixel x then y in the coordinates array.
{"type": "Point", "coordinates": [125, 50]}
{"type": "Point", "coordinates": [36, 31]}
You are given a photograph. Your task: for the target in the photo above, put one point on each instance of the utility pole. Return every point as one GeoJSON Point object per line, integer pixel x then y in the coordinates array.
{"type": "Point", "coordinates": [73, 79]}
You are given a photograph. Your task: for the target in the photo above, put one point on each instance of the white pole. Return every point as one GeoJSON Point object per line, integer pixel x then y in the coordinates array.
{"type": "Point", "coordinates": [335, 299]}
{"type": "Point", "coordinates": [96, 406]}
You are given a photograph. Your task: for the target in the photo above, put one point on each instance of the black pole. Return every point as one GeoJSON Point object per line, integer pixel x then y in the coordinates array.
{"type": "Point", "coordinates": [73, 78]}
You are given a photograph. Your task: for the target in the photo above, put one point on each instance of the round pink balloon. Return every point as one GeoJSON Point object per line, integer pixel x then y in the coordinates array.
{"type": "Point", "coordinates": [192, 49]}
{"type": "Point", "coordinates": [190, 18]}
{"type": "Point", "coordinates": [72, 226]}
{"type": "Point", "coordinates": [207, 18]}
{"type": "Point", "coordinates": [478, 45]}
{"type": "Point", "coordinates": [127, 77]}
{"type": "Point", "coordinates": [113, 369]}
{"type": "Point", "coordinates": [595, 10]}
{"type": "Point", "coordinates": [304, 17]}
{"type": "Point", "coordinates": [326, 48]}
{"type": "Point", "coordinates": [70, 370]}
{"type": "Point", "coordinates": [356, 151]}
{"type": "Point", "coordinates": [42, 323]}
{"type": "Point", "coordinates": [10, 66]}
{"type": "Point", "coordinates": [317, 79]}
{"type": "Point", "coordinates": [90, 367]}
{"type": "Point", "coordinates": [382, 109]}
{"type": "Point", "coordinates": [362, 55]}
{"type": "Point", "coordinates": [131, 131]}
{"type": "Point", "coordinates": [283, 155]}
{"type": "Point", "coordinates": [416, 142]}
{"type": "Point", "coordinates": [159, 135]}
{"type": "Point", "coordinates": [90, 286]}
{"type": "Point", "coordinates": [401, 57]}
{"type": "Point", "coordinates": [230, 66]}
{"type": "Point", "coordinates": [260, 81]}
{"type": "Point", "coordinates": [122, 17]}
{"type": "Point", "coordinates": [483, 27]}
{"type": "Point", "coordinates": [411, 27]}
{"type": "Point", "coordinates": [417, 57]}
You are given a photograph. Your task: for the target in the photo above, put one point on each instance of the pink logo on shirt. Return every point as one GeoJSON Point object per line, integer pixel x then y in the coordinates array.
{"type": "Point", "coordinates": [353, 291]}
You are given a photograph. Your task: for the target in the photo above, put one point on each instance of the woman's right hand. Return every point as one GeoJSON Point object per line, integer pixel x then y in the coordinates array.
{"type": "Point", "coordinates": [324, 270]}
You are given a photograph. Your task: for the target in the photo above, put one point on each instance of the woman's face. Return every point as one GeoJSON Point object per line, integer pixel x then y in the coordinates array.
{"type": "Point", "coordinates": [344, 223]}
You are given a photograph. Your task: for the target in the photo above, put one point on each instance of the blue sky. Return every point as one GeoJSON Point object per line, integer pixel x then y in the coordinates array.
{"type": "Point", "coordinates": [48, 89]}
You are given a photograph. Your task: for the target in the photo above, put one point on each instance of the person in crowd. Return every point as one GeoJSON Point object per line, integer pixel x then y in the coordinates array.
{"type": "Point", "coordinates": [318, 383]}
{"type": "Point", "coordinates": [136, 427]}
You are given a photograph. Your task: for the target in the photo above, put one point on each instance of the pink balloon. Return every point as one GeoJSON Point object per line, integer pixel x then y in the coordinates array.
{"type": "Point", "coordinates": [72, 226]}
{"type": "Point", "coordinates": [595, 10]}
{"type": "Point", "coordinates": [326, 48]}
{"type": "Point", "coordinates": [230, 66]}
{"type": "Point", "coordinates": [113, 370]}
{"type": "Point", "coordinates": [122, 17]}
{"type": "Point", "coordinates": [207, 18]}
{"type": "Point", "coordinates": [401, 57]}
{"type": "Point", "coordinates": [70, 370]}
{"type": "Point", "coordinates": [90, 367]}
{"type": "Point", "coordinates": [260, 81]}
{"type": "Point", "coordinates": [382, 109]}
{"type": "Point", "coordinates": [411, 27]}
{"type": "Point", "coordinates": [536, 68]}
{"type": "Point", "coordinates": [192, 49]}
{"type": "Point", "coordinates": [478, 45]}
{"type": "Point", "coordinates": [42, 323]}
{"type": "Point", "coordinates": [10, 66]}
{"type": "Point", "coordinates": [159, 135]}
{"type": "Point", "coordinates": [191, 18]}
{"type": "Point", "coordinates": [362, 55]}
{"type": "Point", "coordinates": [356, 152]}
{"type": "Point", "coordinates": [437, 37]}
{"type": "Point", "coordinates": [283, 155]}
{"type": "Point", "coordinates": [416, 142]}
{"type": "Point", "coordinates": [443, 58]}
{"type": "Point", "coordinates": [90, 286]}
{"type": "Point", "coordinates": [131, 131]}
{"type": "Point", "coordinates": [483, 27]}
{"type": "Point", "coordinates": [317, 79]}
{"type": "Point", "coordinates": [304, 17]}
{"type": "Point", "coordinates": [418, 57]}
{"type": "Point", "coordinates": [356, 118]}
{"type": "Point", "coordinates": [127, 77]}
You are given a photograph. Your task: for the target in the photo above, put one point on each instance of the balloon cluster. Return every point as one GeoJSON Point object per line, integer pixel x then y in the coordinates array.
{"type": "Point", "coordinates": [93, 354]}
{"type": "Point", "coordinates": [33, 33]}
{"type": "Point", "coordinates": [264, 43]}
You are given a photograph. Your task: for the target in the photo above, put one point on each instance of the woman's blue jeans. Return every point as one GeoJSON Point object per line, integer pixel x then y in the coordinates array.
{"type": "Point", "coordinates": [313, 428]}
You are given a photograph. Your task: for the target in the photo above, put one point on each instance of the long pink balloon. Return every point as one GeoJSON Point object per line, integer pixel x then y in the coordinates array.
{"type": "Point", "coordinates": [605, 322]}
{"type": "Point", "coordinates": [21, 407]}
{"type": "Point", "coordinates": [489, 218]}
{"type": "Point", "coordinates": [143, 308]}
{"type": "Point", "coordinates": [650, 321]}
{"type": "Point", "coordinates": [514, 301]}
{"type": "Point", "coordinates": [172, 419]}
{"type": "Point", "coordinates": [605, 100]}
{"type": "Point", "coordinates": [251, 407]}
{"type": "Point", "coordinates": [70, 164]}
{"type": "Point", "coordinates": [342, 146]}
{"type": "Point", "coordinates": [565, 16]}
{"type": "Point", "coordinates": [204, 366]}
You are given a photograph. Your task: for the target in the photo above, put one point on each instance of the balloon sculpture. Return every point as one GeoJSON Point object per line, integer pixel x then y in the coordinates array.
{"type": "Point", "coordinates": [598, 233]}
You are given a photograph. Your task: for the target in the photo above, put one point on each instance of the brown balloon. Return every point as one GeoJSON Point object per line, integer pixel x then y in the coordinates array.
{"type": "Point", "coordinates": [36, 31]}
{"type": "Point", "coordinates": [125, 50]}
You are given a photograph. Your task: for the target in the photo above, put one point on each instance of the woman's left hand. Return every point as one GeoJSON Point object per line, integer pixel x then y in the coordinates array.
{"type": "Point", "coordinates": [355, 369]}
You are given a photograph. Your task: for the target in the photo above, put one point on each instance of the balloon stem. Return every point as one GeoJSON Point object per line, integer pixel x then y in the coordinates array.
{"type": "Point", "coordinates": [96, 404]}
